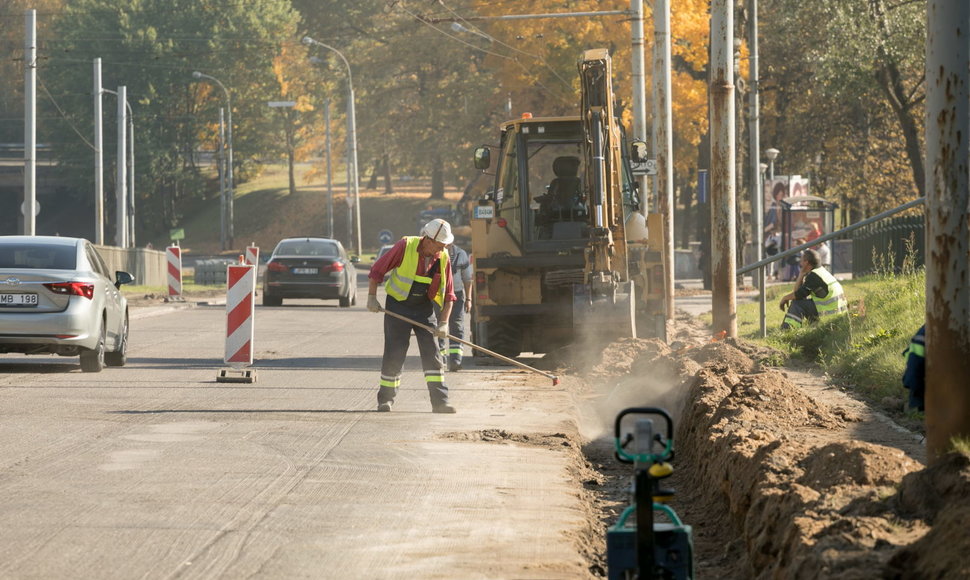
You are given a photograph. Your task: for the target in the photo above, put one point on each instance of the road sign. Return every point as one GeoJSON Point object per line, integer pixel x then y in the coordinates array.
{"type": "Point", "coordinates": [385, 237]}
{"type": "Point", "coordinates": [646, 167]}
{"type": "Point", "coordinates": [277, 104]}
{"type": "Point", "coordinates": [176, 234]}
{"type": "Point", "coordinates": [23, 208]}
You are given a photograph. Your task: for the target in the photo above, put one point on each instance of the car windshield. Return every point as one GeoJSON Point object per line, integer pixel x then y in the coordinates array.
{"type": "Point", "coordinates": [307, 248]}
{"type": "Point", "coordinates": [52, 257]}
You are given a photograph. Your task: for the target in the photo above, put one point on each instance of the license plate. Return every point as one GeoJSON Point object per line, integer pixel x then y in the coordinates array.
{"type": "Point", "coordinates": [485, 212]}
{"type": "Point", "coordinates": [304, 270]}
{"type": "Point", "coordinates": [18, 300]}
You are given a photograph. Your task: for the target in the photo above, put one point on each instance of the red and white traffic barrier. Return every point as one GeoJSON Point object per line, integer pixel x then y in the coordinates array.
{"type": "Point", "coordinates": [240, 310]}
{"type": "Point", "coordinates": [173, 255]}
{"type": "Point", "coordinates": [252, 255]}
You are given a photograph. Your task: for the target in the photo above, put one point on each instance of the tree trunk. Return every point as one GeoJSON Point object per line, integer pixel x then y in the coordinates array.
{"type": "Point", "coordinates": [437, 178]}
{"type": "Point", "coordinates": [388, 186]}
{"type": "Point", "coordinates": [900, 99]}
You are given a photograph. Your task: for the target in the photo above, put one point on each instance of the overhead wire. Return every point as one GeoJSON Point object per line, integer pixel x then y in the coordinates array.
{"type": "Point", "coordinates": [478, 30]}
{"type": "Point", "coordinates": [64, 116]}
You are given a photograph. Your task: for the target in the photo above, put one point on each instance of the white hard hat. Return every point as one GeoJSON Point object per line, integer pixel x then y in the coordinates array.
{"type": "Point", "coordinates": [438, 230]}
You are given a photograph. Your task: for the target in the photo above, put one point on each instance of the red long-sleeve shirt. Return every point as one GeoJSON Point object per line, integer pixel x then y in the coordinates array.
{"type": "Point", "coordinates": [393, 258]}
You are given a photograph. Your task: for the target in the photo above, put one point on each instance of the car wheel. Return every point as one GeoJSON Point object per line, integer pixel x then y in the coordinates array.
{"type": "Point", "coordinates": [353, 298]}
{"type": "Point", "coordinates": [92, 360]}
{"type": "Point", "coordinates": [119, 357]}
{"type": "Point", "coordinates": [270, 300]}
{"type": "Point", "coordinates": [345, 301]}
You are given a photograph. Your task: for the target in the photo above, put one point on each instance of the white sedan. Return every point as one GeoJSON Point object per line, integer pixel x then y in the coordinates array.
{"type": "Point", "coordinates": [58, 297]}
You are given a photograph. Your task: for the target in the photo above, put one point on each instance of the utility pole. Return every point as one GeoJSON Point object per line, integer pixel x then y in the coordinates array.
{"type": "Point", "coordinates": [221, 160]}
{"type": "Point", "coordinates": [329, 173]}
{"type": "Point", "coordinates": [665, 146]}
{"type": "Point", "coordinates": [30, 124]}
{"type": "Point", "coordinates": [723, 240]}
{"type": "Point", "coordinates": [131, 177]}
{"type": "Point", "coordinates": [948, 233]}
{"type": "Point", "coordinates": [121, 187]}
{"type": "Point", "coordinates": [98, 157]}
{"type": "Point", "coordinates": [754, 148]}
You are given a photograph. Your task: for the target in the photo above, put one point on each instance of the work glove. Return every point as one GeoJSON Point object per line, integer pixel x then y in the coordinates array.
{"type": "Point", "coordinates": [442, 330]}
{"type": "Point", "coordinates": [372, 304]}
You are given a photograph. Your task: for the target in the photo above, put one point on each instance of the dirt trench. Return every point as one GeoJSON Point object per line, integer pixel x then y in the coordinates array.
{"type": "Point", "coordinates": [779, 474]}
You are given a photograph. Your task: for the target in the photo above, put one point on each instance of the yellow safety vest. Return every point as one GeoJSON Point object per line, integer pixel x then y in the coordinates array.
{"type": "Point", "coordinates": [404, 276]}
{"type": "Point", "coordinates": [834, 301]}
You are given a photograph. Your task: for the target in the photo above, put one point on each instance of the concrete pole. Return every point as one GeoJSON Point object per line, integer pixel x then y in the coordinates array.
{"type": "Point", "coordinates": [352, 119]}
{"type": "Point", "coordinates": [230, 184]}
{"type": "Point", "coordinates": [30, 123]}
{"type": "Point", "coordinates": [98, 157]}
{"type": "Point", "coordinates": [639, 90]}
{"type": "Point", "coordinates": [329, 172]}
{"type": "Point", "coordinates": [121, 188]}
{"type": "Point", "coordinates": [754, 145]}
{"type": "Point", "coordinates": [723, 240]}
{"type": "Point", "coordinates": [948, 232]}
{"type": "Point", "coordinates": [221, 161]}
{"type": "Point", "coordinates": [665, 144]}
{"type": "Point", "coordinates": [131, 179]}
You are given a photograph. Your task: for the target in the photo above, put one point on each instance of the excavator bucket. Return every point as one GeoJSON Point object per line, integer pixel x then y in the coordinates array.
{"type": "Point", "coordinates": [607, 317]}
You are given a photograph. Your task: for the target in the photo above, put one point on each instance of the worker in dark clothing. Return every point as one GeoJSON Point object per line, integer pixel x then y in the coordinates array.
{"type": "Point", "coordinates": [420, 277]}
{"type": "Point", "coordinates": [461, 272]}
{"type": "Point", "coordinates": [914, 377]}
{"type": "Point", "coordinates": [817, 293]}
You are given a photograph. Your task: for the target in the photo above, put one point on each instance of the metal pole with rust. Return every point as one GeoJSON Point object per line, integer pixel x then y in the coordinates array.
{"type": "Point", "coordinates": [555, 379]}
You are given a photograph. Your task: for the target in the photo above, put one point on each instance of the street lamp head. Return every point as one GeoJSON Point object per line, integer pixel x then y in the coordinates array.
{"type": "Point", "coordinates": [772, 153]}
{"type": "Point", "coordinates": [763, 167]}
{"type": "Point", "coordinates": [307, 40]}
{"type": "Point", "coordinates": [196, 75]}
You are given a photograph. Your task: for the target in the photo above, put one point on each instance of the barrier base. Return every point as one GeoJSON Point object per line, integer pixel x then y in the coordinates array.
{"type": "Point", "coordinates": [236, 376]}
{"type": "Point", "coordinates": [174, 299]}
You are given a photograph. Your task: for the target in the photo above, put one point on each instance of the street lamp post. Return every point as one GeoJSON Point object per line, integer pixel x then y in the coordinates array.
{"type": "Point", "coordinates": [772, 155]}
{"type": "Point", "coordinates": [352, 133]}
{"type": "Point", "coordinates": [229, 183]}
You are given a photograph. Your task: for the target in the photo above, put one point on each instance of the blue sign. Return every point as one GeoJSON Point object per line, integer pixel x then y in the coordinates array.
{"type": "Point", "coordinates": [702, 186]}
{"type": "Point", "coordinates": [385, 237]}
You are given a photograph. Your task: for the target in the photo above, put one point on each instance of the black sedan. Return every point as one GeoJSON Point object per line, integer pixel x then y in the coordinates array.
{"type": "Point", "coordinates": [310, 268]}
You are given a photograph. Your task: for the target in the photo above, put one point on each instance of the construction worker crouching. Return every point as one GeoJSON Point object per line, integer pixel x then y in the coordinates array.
{"type": "Point", "coordinates": [420, 277]}
{"type": "Point", "coordinates": [817, 293]}
{"type": "Point", "coordinates": [914, 377]}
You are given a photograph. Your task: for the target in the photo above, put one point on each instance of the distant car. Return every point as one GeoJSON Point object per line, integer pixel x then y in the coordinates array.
{"type": "Point", "coordinates": [58, 297]}
{"type": "Point", "coordinates": [310, 268]}
{"type": "Point", "coordinates": [384, 249]}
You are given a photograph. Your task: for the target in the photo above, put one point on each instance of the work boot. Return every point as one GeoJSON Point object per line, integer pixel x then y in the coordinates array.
{"type": "Point", "coordinates": [442, 408]}
{"type": "Point", "coordinates": [385, 407]}
{"type": "Point", "coordinates": [454, 366]}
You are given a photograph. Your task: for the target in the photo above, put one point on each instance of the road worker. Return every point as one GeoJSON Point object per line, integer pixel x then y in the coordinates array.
{"type": "Point", "coordinates": [461, 272]}
{"type": "Point", "coordinates": [817, 293]}
{"type": "Point", "coordinates": [914, 377]}
{"type": "Point", "coordinates": [420, 277]}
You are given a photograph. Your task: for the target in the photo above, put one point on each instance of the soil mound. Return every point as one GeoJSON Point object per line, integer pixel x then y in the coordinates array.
{"type": "Point", "coordinates": [773, 480]}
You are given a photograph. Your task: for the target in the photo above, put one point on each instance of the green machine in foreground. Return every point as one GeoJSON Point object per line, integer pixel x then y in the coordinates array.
{"type": "Point", "coordinates": [666, 549]}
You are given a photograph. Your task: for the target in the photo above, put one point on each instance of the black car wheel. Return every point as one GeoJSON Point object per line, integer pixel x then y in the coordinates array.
{"type": "Point", "coordinates": [92, 360]}
{"type": "Point", "coordinates": [119, 357]}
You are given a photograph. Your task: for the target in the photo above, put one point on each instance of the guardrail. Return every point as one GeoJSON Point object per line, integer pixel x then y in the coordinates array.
{"type": "Point", "coordinates": [760, 266]}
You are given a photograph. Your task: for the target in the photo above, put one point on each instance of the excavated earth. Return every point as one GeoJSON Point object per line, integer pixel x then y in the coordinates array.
{"type": "Point", "coordinates": [779, 474]}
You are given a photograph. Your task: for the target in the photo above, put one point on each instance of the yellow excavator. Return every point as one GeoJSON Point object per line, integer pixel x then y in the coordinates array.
{"type": "Point", "coordinates": [561, 250]}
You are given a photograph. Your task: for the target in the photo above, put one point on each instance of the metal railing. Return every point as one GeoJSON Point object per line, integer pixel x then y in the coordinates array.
{"type": "Point", "coordinates": [760, 266]}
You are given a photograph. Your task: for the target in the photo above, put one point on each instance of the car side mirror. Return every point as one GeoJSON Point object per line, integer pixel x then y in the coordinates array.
{"type": "Point", "coordinates": [122, 278]}
{"type": "Point", "coordinates": [355, 259]}
{"type": "Point", "coordinates": [638, 151]}
{"type": "Point", "coordinates": [483, 158]}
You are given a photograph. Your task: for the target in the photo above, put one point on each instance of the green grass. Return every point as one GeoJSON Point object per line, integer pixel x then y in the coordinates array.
{"type": "Point", "coordinates": [862, 350]}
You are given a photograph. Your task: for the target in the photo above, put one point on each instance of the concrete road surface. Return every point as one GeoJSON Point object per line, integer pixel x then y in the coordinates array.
{"type": "Point", "coordinates": [155, 470]}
